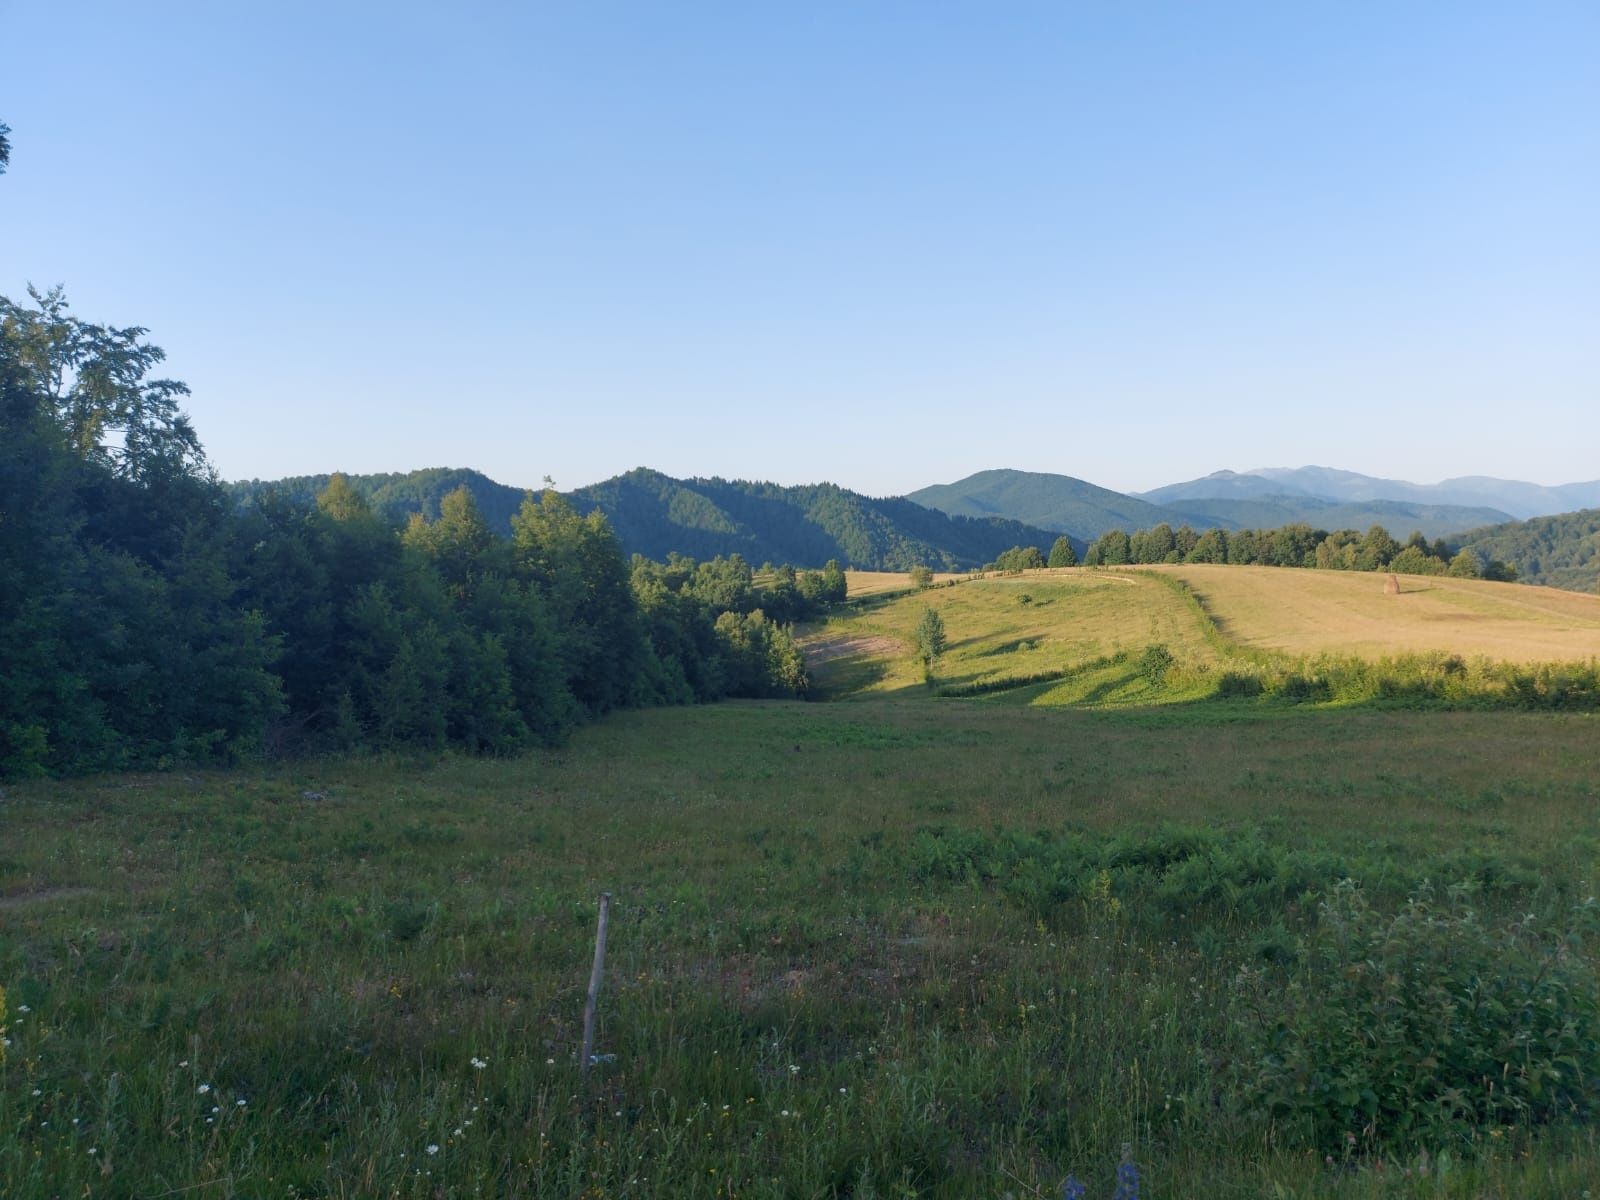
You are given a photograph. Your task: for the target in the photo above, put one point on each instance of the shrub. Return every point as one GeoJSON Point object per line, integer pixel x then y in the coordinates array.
{"type": "Point", "coordinates": [1154, 664]}
{"type": "Point", "coordinates": [1427, 1026]}
{"type": "Point", "coordinates": [1237, 684]}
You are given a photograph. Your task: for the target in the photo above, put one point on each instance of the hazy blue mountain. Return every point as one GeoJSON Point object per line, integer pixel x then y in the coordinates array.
{"type": "Point", "coordinates": [656, 515]}
{"type": "Point", "coordinates": [1057, 502]}
{"type": "Point", "coordinates": [1515, 497]}
{"type": "Point", "coordinates": [1399, 517]}
{"type": "Point", "coordinates": [1223, 485]}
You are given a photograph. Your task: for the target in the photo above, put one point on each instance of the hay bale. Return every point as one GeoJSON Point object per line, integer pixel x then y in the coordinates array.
{"type": "Point", "coordinates": [1391, 585]}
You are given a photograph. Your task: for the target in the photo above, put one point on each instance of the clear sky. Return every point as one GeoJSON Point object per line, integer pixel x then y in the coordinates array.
{"type": "Point", "coordinates": [880, 244]}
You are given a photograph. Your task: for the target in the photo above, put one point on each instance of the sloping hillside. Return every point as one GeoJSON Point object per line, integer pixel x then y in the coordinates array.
{"type": "Point", "coordinates": [1081, 636]}
{"type": "Point", "coordinates": [656, 515]}
{"type": "Point", "coordinates": [1056, 502]}
{"type": "Point", "coordinates": [1561, 551]}
{"type": "Point", "coordinates": [1348, 612]}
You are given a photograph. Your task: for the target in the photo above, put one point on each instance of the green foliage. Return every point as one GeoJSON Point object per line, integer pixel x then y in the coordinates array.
{"type": "Point", "coordinates": [1434, 1026]}
{"type": "Point", "coordinates": [121, 638]}
{"type": "Point", "coordinates": [1111, 549]}
{"type": "Point", "coordinates": [930, 637]}
{"type": "Point", "coordinates": [149, 622]}
{"type": "Point", "coordinates": [1062, 554]}
{"type": "Point", "coordinates": [1560, 551]}
{"type": "Point", "coordinates": [1294, 545]}
{"type": "Point", "coordinates": [1018, 558]}
{"type": "Point", "coordinates": [921, 576]}
{"type": "Point", "coordinates": [1154, 663]}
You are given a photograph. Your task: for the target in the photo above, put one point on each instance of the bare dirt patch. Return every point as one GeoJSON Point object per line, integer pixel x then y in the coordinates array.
{"type": "Point", "coordinates": [826, 650]}
{"type": "Point", "coordinates": [42, 896]}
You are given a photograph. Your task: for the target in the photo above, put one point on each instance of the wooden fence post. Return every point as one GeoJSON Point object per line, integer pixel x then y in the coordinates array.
{"type": "Point", "coordinates": [594, 980]}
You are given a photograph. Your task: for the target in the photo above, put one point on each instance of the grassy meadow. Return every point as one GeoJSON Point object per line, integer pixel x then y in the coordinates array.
{"type": "Point", "coordinates": [1077, 637]}
{"type": "Point", "coordinates": [1347, 612]}
{"type": "Point", "coordinates": [902, 946]}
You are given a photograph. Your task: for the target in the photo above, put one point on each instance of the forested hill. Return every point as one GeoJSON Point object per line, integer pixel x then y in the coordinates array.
{"type": "Point", "coordinates": [656, 515]}
{"type": "Point", "coordinates": [1055, 502]}
{"type": "Point", "coordinates": [397, 496]}
{"type": "Point", "coordinates": [1560, 551]}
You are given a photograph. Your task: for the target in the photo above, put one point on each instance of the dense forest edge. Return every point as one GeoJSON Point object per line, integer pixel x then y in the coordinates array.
{"type": "Point", "coordinates": [150, 620]}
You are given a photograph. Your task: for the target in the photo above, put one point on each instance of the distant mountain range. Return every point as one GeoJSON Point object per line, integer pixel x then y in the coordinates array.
{"type": "Point", "coordinates": [1514, 498]}
{"type": "Point", "coordinates": [965, 524]}
{"type": "Point", "coordinates": [1229, 500]}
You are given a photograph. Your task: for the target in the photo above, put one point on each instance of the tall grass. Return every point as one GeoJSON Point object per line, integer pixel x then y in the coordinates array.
{"type": "Point", "coordinates": [858, 950]}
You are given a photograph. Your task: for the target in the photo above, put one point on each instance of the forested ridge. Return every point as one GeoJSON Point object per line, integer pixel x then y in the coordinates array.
{"type": "Point", "coordinates": [1560, 551]}
{"type": "Point", "coordinates": [656, 515]}
{"type": "Point", "coordinates": [148, 619]}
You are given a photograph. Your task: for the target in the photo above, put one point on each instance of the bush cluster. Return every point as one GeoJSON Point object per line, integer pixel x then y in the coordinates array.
{"type": "Point", "coordinates": [1429, 1026]}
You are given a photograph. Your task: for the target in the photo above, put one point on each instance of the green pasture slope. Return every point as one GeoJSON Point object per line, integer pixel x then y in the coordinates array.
{"type": "Point", "coordinates": [897, 947]}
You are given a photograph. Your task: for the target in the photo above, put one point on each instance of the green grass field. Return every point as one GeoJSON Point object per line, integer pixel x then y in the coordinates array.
{"type": "Point", "coordinates": [1075, 638]}
{"type": "Point", "coordinates": [902, 946]}
{"type": "Point", "coordinates": [839, 964]}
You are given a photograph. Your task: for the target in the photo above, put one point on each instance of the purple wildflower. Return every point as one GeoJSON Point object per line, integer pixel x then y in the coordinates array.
{"type": "Point", "coordinates": [1127, 1176]}
{"type": "Point", "coordinates": [1072, 1189]}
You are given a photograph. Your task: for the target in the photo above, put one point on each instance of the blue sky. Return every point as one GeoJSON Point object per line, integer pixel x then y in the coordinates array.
{"type": "Point", "coordinates": [881, 244]}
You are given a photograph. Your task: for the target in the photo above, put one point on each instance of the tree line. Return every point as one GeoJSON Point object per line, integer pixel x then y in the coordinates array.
{"type": "Point", "coordinates": [1296, 545]}
{"type": "Point", "coordinates": [146, 619]}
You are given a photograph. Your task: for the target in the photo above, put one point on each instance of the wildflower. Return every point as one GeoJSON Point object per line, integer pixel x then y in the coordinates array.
{"type": "Point", "coordinates": [793, 1070]}
{"type": "Point", "coordinates": [549, 1062]}
{"type": "Point", "coordinates": [1072, 1189]}
{"type": "Point", "coordinates": [479, 1064]}
{"type": "Point", "coordinates": [842, 1091]}
{"type": "Point", "coordinates": [23, 1008]}
{"type": "Point", "coordinates": [1127, 1176]}
{"type": "Point", "coordinates": [37, 1092]}
{"type": "Point", "coordinates": [240, 1102]}
{"type": "Point", "coordinates": [203, 1089]}
{"type": "Point", "coordinates": [432, 1147]}
{"type": "Point", "coordinates": [93, 1150]}
{"type": "Point", "coordinates": [184, 1063]}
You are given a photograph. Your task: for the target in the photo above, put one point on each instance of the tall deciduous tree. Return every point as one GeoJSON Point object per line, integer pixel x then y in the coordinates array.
{"type": "Point", "coordinates": [1062, 554]}
{"type": "Point", "coordinates": [930, 637]}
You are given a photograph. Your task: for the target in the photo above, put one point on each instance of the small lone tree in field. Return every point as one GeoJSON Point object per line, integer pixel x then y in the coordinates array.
{"type": "Point", "coordinates": [930, 640]}
{"type": "Point", "coordinates": [922, 576]}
